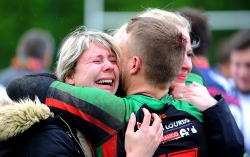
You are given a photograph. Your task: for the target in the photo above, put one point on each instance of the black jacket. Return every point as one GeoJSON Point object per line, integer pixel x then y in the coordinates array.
{"type": "Point", "coordinates": [26, 132]}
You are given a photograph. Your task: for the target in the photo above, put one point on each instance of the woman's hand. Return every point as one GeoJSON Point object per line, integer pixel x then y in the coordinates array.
{"type": "Point", "coordinates": [146, 140]}
{"type": "Point", "coordinates": [195, 94]}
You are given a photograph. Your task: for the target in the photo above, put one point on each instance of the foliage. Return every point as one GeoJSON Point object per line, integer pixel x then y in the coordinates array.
{"type": "Point", "coordinates": [56, 16]}
{"type": "Point", "coordinates": [62, 16]}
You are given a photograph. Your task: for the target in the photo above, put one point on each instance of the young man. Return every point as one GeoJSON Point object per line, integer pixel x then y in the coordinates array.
{"type": "Point", "coordinates": [219, 113]}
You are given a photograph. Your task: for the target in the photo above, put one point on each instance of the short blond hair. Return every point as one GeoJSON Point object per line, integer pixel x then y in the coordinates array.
{"type": "Point", "coordinates": [167, 16]}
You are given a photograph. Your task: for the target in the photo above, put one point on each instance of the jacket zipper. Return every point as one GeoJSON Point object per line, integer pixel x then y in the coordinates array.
{"type": "Point", "coordinates": [71, 134]}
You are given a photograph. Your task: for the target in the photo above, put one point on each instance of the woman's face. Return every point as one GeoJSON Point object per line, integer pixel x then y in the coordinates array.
{"type": "Point", "coordinates": [96, 68]}
{"type": "Point", "coordinates": [187, 65]}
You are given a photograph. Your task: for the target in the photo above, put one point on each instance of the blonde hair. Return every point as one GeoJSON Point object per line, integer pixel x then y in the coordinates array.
{"type": "Point", "coordinates": [167, 16]}
{"type": "Point", "coordinates": [76, 43]}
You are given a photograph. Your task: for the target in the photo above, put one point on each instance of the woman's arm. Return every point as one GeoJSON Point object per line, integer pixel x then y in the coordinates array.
{"type": "Point", "coordinates": [224, 136]}
{"type": "Point", "coordinates": [90, 110]}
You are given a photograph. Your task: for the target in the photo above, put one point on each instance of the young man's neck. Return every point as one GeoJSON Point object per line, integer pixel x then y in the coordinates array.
{"type": "Point", "coordinates": [141, 87]}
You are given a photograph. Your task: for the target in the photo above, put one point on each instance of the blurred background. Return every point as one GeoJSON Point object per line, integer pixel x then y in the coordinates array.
{"type": "Point", "coordinates": [60, 17]}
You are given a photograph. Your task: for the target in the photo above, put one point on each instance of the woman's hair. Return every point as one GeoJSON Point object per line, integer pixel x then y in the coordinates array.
{"type": "Point", "coordinates": [200, 29]}
{"type": "Point", "coordinates": [74, 45]}
{"type": "Point", "coordinates": [167, 16]}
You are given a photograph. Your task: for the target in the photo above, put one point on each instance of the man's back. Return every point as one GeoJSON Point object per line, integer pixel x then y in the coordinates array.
{"type": "Point", "coordinates": [183, 134]}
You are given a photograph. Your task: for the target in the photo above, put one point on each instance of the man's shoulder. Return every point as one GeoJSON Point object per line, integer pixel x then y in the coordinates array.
{"type": "Point", "coordinates": [184, 106]}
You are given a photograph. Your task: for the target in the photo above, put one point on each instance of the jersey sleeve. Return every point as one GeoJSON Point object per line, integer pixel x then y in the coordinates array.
{"type": "Point", "coordinates": [30, 86]}
{"type": "Point", "coordinates": [97, 113]}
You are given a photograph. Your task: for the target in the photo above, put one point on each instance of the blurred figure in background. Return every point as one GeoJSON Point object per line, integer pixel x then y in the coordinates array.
{"type": "Point", "coordinates": [34, 54]}
{"type": "Point", "coordinates": [201, 35]}
{"type": "Point", "coordinates": [222, 66]}
{"type": "Point", "coordinates": [223, 62]}
{"type": "Point", "coordinates": [240, 71]}
{"type": "Point", "coordinates": [3, 94]}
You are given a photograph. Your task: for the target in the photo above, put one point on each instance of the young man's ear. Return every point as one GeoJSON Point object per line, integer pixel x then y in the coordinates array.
{"type": "Point", "coordinates": [70, 79]}
{"type": "Point", "coordinates": [136, 64]}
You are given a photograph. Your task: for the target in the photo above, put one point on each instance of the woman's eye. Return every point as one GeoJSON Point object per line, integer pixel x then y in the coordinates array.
{"type": "Point", "coordinates": [96, 61]}
{"type": "Point", "coordinates": [113, 59]}
{"type": "Point", "coordinates": [190, 54]}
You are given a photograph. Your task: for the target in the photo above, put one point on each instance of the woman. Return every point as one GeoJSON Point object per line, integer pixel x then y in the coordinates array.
{"type": "Point", "coordinates": [86, 58]}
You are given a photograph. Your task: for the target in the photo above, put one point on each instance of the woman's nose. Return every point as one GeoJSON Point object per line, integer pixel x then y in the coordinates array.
{"type": "Point", "coordinates": [109, 66]}
{"type": "Point", "coordinates": [187, 64]}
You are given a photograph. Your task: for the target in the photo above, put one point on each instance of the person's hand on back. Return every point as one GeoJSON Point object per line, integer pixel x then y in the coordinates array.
{"type": "Point", "coordinates": [146, 140]}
